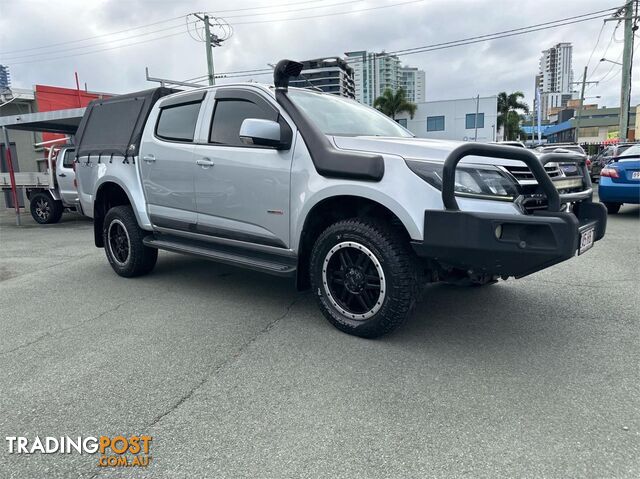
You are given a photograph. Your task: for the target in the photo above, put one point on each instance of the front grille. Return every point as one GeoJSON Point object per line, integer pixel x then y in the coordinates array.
{"type": "Point", "coordinates": [531, 203]}
{"type": "Point", "coordinates": [523, 173]}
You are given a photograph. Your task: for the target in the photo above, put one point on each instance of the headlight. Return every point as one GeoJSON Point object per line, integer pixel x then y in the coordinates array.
{"type": "Point", "coordinates": [478, 181]}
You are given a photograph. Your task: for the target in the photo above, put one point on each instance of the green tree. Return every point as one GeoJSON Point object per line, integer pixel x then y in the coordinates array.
{"type": "Point", "coordinates": [508, 117]}
{"type": "Point", "coordinates": [392, 104]}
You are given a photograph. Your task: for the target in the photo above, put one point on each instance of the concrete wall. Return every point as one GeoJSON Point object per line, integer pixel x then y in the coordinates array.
{"type": "Point", "coordinates": [455, 112]}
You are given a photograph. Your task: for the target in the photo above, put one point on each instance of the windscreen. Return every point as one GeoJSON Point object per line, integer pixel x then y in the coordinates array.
{"type": "Point", "coordinates": [343, 117]}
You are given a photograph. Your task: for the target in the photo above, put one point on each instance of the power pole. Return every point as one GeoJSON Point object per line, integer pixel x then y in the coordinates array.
{"type": "Point", "coordinates": [581, 106]}
{"type": "Point", "coordinates": [625, 87]}
{"type": "Point", "coordinates": [476, 117]}
{"type": "Point", "coordinates": [207, 42]}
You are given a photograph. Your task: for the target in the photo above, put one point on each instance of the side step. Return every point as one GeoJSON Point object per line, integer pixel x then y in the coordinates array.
{"type": "Point", "coordinates": [272, 264]}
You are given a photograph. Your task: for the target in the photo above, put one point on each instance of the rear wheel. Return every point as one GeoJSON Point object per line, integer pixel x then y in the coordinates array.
{"type": "Point", "coordinates": [613, 208]}
{"type": "Point", "coordinates": [123, 244]}
{"type": "Point", "coordinates": [365, 277]}
{"type": "Point", "coordinates": [44, 209]}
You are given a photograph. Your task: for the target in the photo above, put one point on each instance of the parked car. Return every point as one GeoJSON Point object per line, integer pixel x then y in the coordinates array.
{"type": "Point", "coordinates": [607, 155]}
{"type": "Point", "coordinates": [323, 189]}
{"type": "Point", "coordinates": [570, 169]}
{"type": "Point", "coordinates": [620, 180]}
{"type": "Point", "coordinates": [517, 144]}
{"type": "Point", "coordinates": [52, 191]}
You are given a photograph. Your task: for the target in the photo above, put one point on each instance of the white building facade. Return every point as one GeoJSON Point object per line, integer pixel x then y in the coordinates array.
{"type": "Point", "coordinates": [454, 119]}
{"type": "Point", "coordinates": [373, 73]}
{"type": "Point", "coordinates": [555, 78]}
{"type": "Point", "coordinates": [412, 81]}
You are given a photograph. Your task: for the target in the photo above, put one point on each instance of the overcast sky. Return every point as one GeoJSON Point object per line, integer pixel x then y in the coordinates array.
{"type": "Point", "coordinates": [485, 68]}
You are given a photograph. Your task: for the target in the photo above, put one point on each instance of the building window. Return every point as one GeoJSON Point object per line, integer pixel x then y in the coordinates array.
{"type": "Point", "coordinates": [589, 131]}
{"type": "Point", "coordinates": [435, 123]}
{"type": "Point", "coordinates": [470, 121]}
{"type": "Point", "coordinates": [402, 122]}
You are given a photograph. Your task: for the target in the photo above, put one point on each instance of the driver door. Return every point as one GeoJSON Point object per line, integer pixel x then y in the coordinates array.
{"type": "Point", "coordinates": [242, 191]}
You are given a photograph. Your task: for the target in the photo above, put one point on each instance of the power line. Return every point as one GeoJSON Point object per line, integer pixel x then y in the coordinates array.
{"type": "Point", "coordinates": [293, 10]}
{"type": "Point", "coordinates": [506, 33]}
{"type": "Point", "coordinates": [108, 42]}
{"type": "Point", "coordinates": [96, 51]}
{"type": "Point", "coordinates": [465, 41]}
{"type": "Point", "coordinates": [10, 62]}
{"type": "Point", "coordinates": [596, 45]}
{"type": "Point", "coordinates": [53, 45]}
{"type": "Point", "coordinates": [328, 14]}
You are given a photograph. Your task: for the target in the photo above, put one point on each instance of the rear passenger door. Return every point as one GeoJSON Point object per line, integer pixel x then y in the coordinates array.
{"type": "Point", "coordinates": [166, 161]}
{"type": "Point", "coordinates": [242, 191]}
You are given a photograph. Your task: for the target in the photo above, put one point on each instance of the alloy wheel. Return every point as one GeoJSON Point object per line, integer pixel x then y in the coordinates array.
{"type": "Point", "coordinates": [353, 280]}
{"type": "Point", "coordinates": [119, 243]}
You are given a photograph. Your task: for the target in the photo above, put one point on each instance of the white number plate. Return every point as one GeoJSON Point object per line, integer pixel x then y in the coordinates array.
{"type": "Point", "coordinates": [586, 240]}
{"type": "Point", "coordinates": [635, 175]}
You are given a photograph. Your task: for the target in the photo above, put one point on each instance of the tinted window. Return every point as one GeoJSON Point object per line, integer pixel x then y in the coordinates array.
{"type": "Point", "coordinates": [340, 116]}
{"type": "Point", "coordinates": [435, 123]}
{"type": "Point", "coordinates": [178, 123]}
{"type": "Point", "coordinates": [631, 151]}
{"type": "Point", "coordinates": [69, 156]}
{"type": "Point", "coordinates": [402, 122]}
{"type": "Point", "coordinates": [228, 117]}
{"type": "Point", "coordinates": [470, 121]}
{"type": "Point", "coordinates": [623, 148]}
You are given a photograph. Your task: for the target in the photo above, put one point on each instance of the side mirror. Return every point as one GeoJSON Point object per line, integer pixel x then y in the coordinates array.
{"type": "Point", "coordinates": [254, 131]}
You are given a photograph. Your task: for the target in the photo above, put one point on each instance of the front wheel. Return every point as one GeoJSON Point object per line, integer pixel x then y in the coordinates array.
{"type": "Point", "coordinates": [123, 244]}
{"type": "Point", "coordinates": [365, 277]}
{"type": "Point", "coordinates": [613, 208]}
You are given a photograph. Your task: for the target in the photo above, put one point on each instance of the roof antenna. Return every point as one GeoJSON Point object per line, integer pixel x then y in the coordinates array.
{"type": "Point", "coordinates": [284, 70]}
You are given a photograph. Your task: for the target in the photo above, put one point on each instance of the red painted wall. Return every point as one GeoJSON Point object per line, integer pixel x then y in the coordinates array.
{"type": "Point", "coordinates": [50, 98]}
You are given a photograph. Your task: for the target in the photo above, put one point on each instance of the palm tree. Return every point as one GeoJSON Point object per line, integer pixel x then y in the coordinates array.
{"type": "Point", "coordinates": [393, 103]}
{"type": "Point", "coordinates": [507, 104]}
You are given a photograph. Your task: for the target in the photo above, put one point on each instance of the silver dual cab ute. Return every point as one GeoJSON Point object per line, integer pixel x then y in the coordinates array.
{"type": "Point", "coordinates": [320, 188]}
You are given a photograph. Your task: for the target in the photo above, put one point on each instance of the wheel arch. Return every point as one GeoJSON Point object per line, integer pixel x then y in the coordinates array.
{"type": "Point", "coordinates": [336, 208]}
{"type": "Point", "coordinates": [108, 195]}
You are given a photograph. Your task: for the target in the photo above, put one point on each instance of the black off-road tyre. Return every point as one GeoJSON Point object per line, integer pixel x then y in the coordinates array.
{"type": "Point", "coordinates": [613, 208]}
{"type": "Point", "coordinates": [44, 209]}
{"type": "Point", "coordinates": [374, 248]}
{"type": "Point", "coordinates": [127, 254]}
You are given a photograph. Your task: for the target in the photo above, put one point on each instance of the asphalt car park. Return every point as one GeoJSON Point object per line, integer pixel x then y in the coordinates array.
{"type": "Point", "coordinates": [235, 374]}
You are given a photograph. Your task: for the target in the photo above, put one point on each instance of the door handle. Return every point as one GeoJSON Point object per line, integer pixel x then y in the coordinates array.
{"type": "Point", "coordinates": [205, 162]}
{"type": "Point", "coordinates": [62, 175]}
{"type": "Point", "coordinates": [149, 158]}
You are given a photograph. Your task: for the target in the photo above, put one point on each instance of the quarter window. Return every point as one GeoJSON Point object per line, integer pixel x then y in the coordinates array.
{"type": "Point", "coordinates": [178, 123]}
{"type": "Point", "coordinates": [228, 117]}
{"type": "Point", "coordinates": [470, 121]}
{"type": "Point", "coordinates": [435, 123]}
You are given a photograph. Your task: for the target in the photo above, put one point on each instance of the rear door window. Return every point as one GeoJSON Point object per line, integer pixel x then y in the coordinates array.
{"type": "Point", "coordinates": [178, 123]}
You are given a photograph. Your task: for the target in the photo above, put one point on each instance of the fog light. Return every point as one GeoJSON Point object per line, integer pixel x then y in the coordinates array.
{"type": "Point", "coordinates": [498, 231]}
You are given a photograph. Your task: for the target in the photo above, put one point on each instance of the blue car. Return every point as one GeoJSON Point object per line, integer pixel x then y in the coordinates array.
{"type": "Point", "coordinates": [620, 180]}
